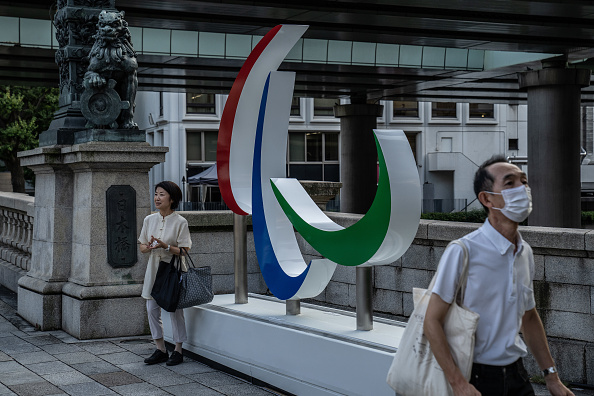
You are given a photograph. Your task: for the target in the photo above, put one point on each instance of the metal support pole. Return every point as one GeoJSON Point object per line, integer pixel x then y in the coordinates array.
{"type": "Point", "coordinates": [293, 307]}
{"type": "Point", "coordinates": [364, 287]}
{"type": "Point", "coordinates": [240, 258]}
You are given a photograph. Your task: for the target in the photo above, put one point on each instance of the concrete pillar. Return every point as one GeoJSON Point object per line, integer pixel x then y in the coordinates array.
{"type": "Point", "coordinates": [358, 155]}
{"type": "Point", "coordinates": [73, 283]}
{"type": "Point", "coordinates": [554, 144]}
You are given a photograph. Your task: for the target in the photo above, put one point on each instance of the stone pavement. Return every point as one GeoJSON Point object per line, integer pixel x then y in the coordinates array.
{"type": "Point", "coordinates": [39, 363]}
{"type": "Point", "coordinates": [43, 363]}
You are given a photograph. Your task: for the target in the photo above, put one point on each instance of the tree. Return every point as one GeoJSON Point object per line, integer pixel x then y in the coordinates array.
{"type": "Point", "coordinates": [24, 113]}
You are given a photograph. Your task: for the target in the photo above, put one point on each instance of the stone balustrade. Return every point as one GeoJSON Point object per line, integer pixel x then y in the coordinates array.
{"type": "Point", "coordinates": [16, 235]}
{"type": "Point", "coordinates": [564, 283]}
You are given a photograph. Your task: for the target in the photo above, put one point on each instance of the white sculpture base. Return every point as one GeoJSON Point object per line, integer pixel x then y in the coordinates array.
{"type": "Point", "coordinates": [318, 352]}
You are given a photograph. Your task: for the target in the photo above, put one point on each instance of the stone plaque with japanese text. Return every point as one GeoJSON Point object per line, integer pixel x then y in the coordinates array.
{"type": "Point", "coordinates": [121, 226]}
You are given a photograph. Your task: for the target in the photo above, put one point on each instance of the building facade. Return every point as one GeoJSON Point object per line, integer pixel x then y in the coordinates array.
{"type": "Point", "coordinates": [448, 140]}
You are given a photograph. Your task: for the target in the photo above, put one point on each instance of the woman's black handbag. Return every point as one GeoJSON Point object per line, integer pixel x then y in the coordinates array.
{"type": "Point", "coordinates": [167, 286]}
{"type": "Point", "coordinates": [196, 286]}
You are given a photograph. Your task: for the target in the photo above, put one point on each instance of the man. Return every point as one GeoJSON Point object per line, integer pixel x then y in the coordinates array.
{"type": "Point", "coordinates": [499, 288]}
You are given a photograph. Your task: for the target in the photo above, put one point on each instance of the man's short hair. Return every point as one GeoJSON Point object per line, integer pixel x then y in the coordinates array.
{"type": "Point", "coordinates": [483, 179]}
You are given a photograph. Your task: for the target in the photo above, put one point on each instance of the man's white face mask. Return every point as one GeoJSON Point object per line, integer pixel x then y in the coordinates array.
{"type": "Point", "coordinates": [518, 203]}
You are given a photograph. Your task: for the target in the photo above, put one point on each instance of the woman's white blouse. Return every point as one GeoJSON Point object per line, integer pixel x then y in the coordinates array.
{"type": "Point", "coordinates": [172, 230]}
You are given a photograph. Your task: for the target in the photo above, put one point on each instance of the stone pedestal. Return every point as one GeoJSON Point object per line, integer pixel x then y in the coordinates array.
{"type": "Point", "coordinates": [84, 294]}
{"type": "Point", "coordinates": [358, 159]}
{"type": "Point", "coordinates": [320, 191]}
{"type": "Point", "coordinates": [554, 96]}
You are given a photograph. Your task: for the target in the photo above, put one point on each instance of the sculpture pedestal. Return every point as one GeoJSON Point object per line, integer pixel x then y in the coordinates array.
{"type": "Point", "coordinates": [317, 353]}
{"type": "Point", "coordinates": [72, 284]}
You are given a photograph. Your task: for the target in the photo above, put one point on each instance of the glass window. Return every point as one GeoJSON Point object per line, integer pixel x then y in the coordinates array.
{"type": "Point", "coordinates": [443, 110]}
{"type": "Point", "coordinates": [513, 144]}
{"type": "Point", "coordinates": [296, 147]}
{"type": "Point", "coordinates": [412, 140]}
{"type": "Point", "coordinates": [200, 103]}
{"type": "Point", "coordinates": [194, 146]}
{"type": "Point", "coordinates": [481, 110]}
{"type": "Point", "coordinates": [210, 145]}
{"type": "Point", "coordinates": [331, 147]}
{"type": "Point", "coordinates": [306, 171]}
{"type": "Point", "coordinates": [36, 32]}
{"type": "Point", "coordinates": [314, 147]}
{"type": "Point", "coordinates": [161, 104]}
{"type": "Point", "coordinates": [324, 107]}
{"type": "Point", "coordinates": [296, 106]}
{"type": "Point", "coordinates": [184, 42]}
{"type": "Point", "coordinates": [156, 40]}
{"type": "Point", "coordinates": [402, 108]}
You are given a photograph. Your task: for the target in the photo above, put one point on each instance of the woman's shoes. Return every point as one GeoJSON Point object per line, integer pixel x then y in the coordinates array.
{"type": "Point", "coordinates": [175, 359]}
{"type": "Point", "coordinates": [158, 357]}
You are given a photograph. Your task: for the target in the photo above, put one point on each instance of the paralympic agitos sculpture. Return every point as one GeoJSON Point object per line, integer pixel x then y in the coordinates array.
{"type": "Point", "coordinates": [251, 161]}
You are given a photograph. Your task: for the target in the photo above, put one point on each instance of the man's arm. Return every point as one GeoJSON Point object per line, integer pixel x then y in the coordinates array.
{"type": "Point", "coordinates": [433, 326]}
{"type": "Point", "coordinates": [536, 340]}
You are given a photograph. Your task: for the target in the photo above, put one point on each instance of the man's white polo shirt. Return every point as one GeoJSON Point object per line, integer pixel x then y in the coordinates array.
{"type": "Point", "coordinates": [499, 289]}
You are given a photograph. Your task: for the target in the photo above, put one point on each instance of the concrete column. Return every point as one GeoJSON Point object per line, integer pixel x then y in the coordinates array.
{"type": "Point", "coordinates": [358, 155]}
{"type": "Point", "coordinates": [554, 144]}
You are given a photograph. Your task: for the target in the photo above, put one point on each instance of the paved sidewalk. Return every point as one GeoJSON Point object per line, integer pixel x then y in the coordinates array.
{"type": "Point", "coordinates": [43, 363]}
{"type": "Point", "coordinates": [39, 363]}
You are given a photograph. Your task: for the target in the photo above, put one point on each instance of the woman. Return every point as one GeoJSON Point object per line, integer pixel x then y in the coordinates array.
{"type": "Point", "coordinates": [164, 234]}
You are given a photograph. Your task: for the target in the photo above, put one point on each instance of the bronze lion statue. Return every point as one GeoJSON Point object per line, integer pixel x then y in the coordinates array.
{"type": "Point", "coordinates": [113, 57]}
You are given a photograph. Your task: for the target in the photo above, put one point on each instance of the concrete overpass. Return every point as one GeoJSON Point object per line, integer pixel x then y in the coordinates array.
{"type": "Point", "coordinates": [429, 50]}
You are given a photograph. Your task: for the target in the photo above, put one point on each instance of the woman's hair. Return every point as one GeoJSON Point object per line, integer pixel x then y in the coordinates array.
{"type": "Point", "coordinates": [173, 190]}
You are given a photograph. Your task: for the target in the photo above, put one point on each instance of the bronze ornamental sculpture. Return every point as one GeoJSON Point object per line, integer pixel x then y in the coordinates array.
{"type": "Point", "coordinates": [111, 78]}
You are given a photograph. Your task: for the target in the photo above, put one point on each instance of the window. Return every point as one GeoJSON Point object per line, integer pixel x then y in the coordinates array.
{"type": "Point", "coordinates": [512, 144]}
{"type": "Point", "coordinates": [401, 108]}
{"type": "Point", "coordinates": [194, 146]}
{"type": "Point", "coordinates": [161, 104]}
{"type": "Point", "coordinates": [481, 110]}
{"type": "Point", "coordinates": [324, 107]}
{"type": "Point", "coordinates": [200, 103]}
{"type": "Point", "coordinates": [412, 140]}
{"type": "Point", "coordinates": [443, 110]}
{"type": "Point", "coordinates": [296, 107]}
{"type": "Point", "coordinates": [201, 146]}
{"type": "Point", "coordinates": [314, 156]}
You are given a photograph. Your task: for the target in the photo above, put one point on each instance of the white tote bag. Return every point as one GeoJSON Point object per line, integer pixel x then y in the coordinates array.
{"type": "Point", "coordinates": [414, 371]}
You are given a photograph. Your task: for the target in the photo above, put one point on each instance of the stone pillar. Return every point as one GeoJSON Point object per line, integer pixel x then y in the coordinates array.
{"type": "Point", "coordinates": [358, 155]}
{"type": "Point", "coordinates": [98, 298]}
{"type": "Point", "coordinates": [554, 144]}
{"type": "Point", "coordinates": [40, 291]}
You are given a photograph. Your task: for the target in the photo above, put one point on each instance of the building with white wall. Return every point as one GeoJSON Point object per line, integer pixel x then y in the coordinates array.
{"type": "Point", "coordinates": [449, 140]}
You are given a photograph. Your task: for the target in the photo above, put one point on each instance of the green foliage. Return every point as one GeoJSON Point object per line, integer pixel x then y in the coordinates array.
{"type": "Point", "coordinates": [471, 216]}
{"type": "Point", "coordinates": [24, 113]}
{"type": "Point", "coordinates": [587, 218]}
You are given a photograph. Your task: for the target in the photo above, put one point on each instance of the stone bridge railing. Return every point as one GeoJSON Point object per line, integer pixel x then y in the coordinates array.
{"type": "Point", "coordinates": [16, 236]}
{"type": "Point", "coordinates": [564, 284]}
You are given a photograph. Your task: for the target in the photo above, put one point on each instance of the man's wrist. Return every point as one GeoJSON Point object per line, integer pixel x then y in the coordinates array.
{"type": "Point", "coordinates": [549, 370]}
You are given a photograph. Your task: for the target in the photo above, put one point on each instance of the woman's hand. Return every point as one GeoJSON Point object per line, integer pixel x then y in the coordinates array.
{"type": "Point", "coordinates": [156, 243]}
